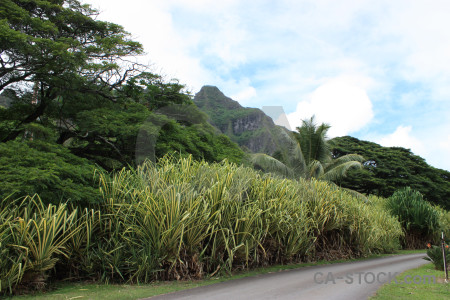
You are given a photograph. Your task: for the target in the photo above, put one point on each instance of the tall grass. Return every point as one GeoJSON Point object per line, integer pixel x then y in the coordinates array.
{"type": "Point", "coordinates": [444, 221]}
{"type": "Point", "coordinates": [420, 220]}
{"type": "Point", "coordinates": [182, 218]}
{"type": "Point", "coordinates": [32, 239]}
{"type": "Point", "coordinates": [185, 218]}
{"type": "Point", "coordinates": [11, 259]}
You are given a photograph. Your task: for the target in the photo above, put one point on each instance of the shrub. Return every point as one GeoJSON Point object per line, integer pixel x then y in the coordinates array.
{"type": "Point", "coordinates": [444, 221]}
{"type": "Point", "coordinates": [50, 170]}
{"type": "Point", "coordinates": [181, 219]}
{"type": "Point", "coordinates": [419, 219]}
{"type": "Point", "coordinates": [434, 254]}
{"type": "Point", "coordinates": [32, 238]}
{"type": "Point", "coordinates": [11, 259]}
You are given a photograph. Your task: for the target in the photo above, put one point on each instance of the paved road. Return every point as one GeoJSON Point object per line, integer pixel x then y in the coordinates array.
{"type": "Point", "coordinates": [336, 281]}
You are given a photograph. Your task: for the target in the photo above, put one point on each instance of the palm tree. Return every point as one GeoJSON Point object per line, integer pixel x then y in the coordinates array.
{"type": "Point", "coordinates": [309, 156]}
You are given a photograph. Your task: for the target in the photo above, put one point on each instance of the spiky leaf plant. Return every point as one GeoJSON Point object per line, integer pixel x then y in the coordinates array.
{"type": "Point", "coordinates": [419, 219]}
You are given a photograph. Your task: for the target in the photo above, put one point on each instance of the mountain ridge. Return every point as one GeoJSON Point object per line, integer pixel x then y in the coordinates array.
{"type": "Point", "coordinates": [249, 127]}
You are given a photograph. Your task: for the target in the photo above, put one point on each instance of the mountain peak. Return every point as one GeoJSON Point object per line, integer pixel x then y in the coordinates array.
{"type": "Point", "coordinates": [211, 97]}
{"type": "Point", "coordinates": [249, 127]}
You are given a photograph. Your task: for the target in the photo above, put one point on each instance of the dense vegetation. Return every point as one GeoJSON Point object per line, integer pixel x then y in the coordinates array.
{"type": "Point", "coordinates": [309, 156]}
{"type": "Point", "coordinates": [48, 169]}
{"type": "Point", "coordinates": [77, 113]}
{"type": "Point", "coordinates": [419, 219]}
{"type": "Point", "coordinates": [434, 255]}
{"type": "Point", "coordinates": [74, 101]}
{"type": "Point", "coordinates": [387, 169]}
{"type": "Point", "coordinates": [183, 219]}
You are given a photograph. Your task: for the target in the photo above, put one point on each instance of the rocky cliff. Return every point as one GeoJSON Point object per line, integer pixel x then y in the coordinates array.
{"type": "Point", "coordinates": [251, 128]}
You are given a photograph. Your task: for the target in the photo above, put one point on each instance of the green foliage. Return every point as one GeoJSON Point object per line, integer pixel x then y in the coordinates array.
{"type": "Point", "coordinates": [312, 141]}
{"type": "Point", "coordinates": [11, 259]}
{"type": "Point", "coordinates": [192, 217]}
{"type": "Point", "coordinates": [434, 254]}
{"type": "Point", "coordinates": [226, 149]}
{"type": "Point", "coordinates": [249, 127]}
{"type": "Point", "coordinates": [181, 218]}
{"type": "Point", "coordinates": [152, 91]}
{"type": "Point", "coordinates": [309, 156]}
{"type": "Point", "coordinates": [73, 61]}
{"type": "Point", "coordinates": [32, 237]}
{"type": "Point", "coordinates": [444, 221]}
{"type": "Point", "coordinates": [55, 41]}
{"type": "Point", "coordinates": [88, 96]}
{"type": "Point", "coordinates": [387, 169]}
{"type": "Point", "coordinates": [200, 140]}
{"type": "Point", "coordinates": [418, 217]}
{"type": "Point", "coordinates": [30, 167]}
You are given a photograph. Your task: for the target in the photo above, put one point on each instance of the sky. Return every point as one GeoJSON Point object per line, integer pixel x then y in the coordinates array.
{"type": "Point", "coordinates": [375, 70]}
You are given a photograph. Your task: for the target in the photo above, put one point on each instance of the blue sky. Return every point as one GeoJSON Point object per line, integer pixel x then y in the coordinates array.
{"type": "Point", "coordinates": [375, 70]}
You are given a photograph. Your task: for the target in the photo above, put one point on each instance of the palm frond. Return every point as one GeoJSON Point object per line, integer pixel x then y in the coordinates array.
{"type": "Point", "coordinates": [315, 169]}
{"type": "Point", "coordinates": [312, 140]}
{"type": "Point", "coordinates": [296, 160]}
{"type": "Point", "coordinates": [340, 170]}
{"type": "Point", "coordinates": [344, 159]}
{"type": "Point", "coordinates": [267, 163]}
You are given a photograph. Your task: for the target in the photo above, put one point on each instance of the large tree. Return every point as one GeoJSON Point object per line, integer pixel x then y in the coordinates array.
{"type": "Point", "coordinates": [70, 82]}
{"type": "Point", "coordinates": [387, 169]}
{"type": "Point", "coordinates": [53, 41]}
{"type": "Point", "coordinates": [60, 49]}
{"type": "Point", "coordinates": [309, 156]}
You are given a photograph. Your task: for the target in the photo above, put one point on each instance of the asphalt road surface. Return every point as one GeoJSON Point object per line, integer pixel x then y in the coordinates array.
{"type": "Point", "coordinates": [352, 280]}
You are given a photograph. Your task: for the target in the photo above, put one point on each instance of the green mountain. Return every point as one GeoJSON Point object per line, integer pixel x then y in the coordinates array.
{"type": "Point", "coordinates": [251, 128]}
{"type": "Point", "coordinates": [385, 170]}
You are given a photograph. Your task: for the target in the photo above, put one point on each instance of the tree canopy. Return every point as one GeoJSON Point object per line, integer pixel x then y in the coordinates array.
{"type": "Point", "coordinates": [387, 169]}
{"type": "Point", "coordinates": [72, 61]}
{"type": "Point", "coordinates": [72, 82]}
{"type": "Point", "coordinates": [55, 42]}
{"type": "Point", "coordinates": [48, 169]}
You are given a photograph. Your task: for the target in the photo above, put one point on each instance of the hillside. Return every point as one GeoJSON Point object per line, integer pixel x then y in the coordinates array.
{"type": "Point", "coordinates": [251, 128]}
{"type": "Point", "coordinates": [387, 169]}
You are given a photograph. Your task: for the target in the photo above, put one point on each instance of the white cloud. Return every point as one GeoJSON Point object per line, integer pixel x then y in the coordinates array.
{"type": "Point", "coordinates": [245, 94]}
{"type": "Point", "coordinates": [282, 52]}
{"type": "Point", "coordinates": [445, 143]}
{"type": "Point", "coordinates": [151, 23]}
{"type": "Point", "coordinates": [419, 44]}
{"type": "Point", "coordinates": [403, 137]}
{"type": "Point", "coordinates": [439, 148]}
{"type": "Point", "coordinates": [341, 102]}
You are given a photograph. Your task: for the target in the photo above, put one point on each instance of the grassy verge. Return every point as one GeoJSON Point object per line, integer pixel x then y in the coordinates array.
{"type": "Point", "coordinates": [429, 291]}
{"type": "Point", "coordinates": [102, 291]}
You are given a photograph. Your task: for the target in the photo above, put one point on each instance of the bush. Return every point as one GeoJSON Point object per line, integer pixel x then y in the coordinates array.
{"type": "Point", "coordinates": [194, 217]}
{"type": "Point", "coordinates": [419, 219]}
{"type": "Point", "coordinates": [434, 254]}
{"type": "Point", "coordinates": [444, 221]}
{"type": "Point", "coordinates": [47, 169]}
{"type": "Point", "coordinates": [181, 219]}
{"type": "Point", "coordinates": [32, 240]}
